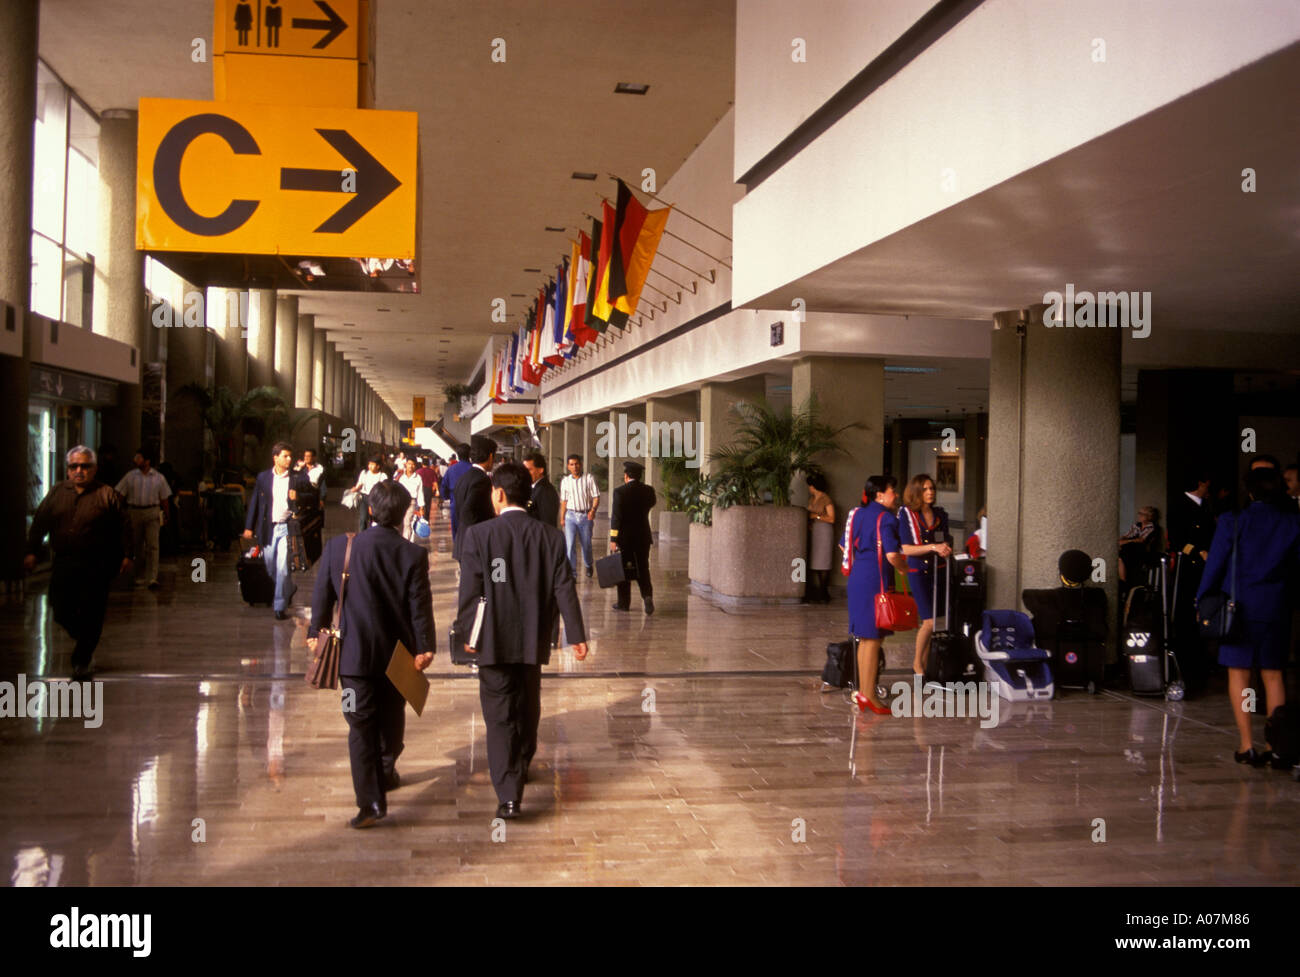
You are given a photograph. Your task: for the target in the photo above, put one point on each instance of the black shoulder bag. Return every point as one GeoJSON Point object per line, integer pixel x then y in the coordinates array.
{"type": "Point", "coordinates": [1216, 612]}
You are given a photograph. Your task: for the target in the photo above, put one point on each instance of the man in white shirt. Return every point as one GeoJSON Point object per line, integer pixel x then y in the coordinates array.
{"type": "Point", "coordinates": [414, 486]}
{"type": "Point", "coordinates": [145, 492]}
{"type": "Point", "coordinates": [579, 499]}
{"type": "Point", "coordinates": [268, 512]}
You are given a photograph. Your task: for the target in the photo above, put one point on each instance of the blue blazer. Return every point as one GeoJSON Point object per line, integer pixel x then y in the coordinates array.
{"type": "Point", "coordinates": [258, 517]}
{"type": "Point", "coordinates": [388, 599]}
{"type": "Point", "coordinates": [1268, 553]}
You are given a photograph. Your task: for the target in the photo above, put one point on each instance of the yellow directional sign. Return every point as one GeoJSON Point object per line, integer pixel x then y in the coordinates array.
{"type": "Point", "coordinates": [309, 28]}
{"type": "Point", "coordinates": [510, 420]}
{"type": "Point", "coordinates": [265, 179]}
{"type": "Point", "coordinates": [417, 411]}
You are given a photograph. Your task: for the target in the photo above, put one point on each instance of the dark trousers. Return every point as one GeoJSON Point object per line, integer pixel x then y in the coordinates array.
{"type": "Point", "coordinates": [511, 697]}
{"type": "Point", "coordinates": [79, 599]}
{"type": "Point", "coordinates": [375, 731]}
{"type": "Point", "coordinates": [642, 558]}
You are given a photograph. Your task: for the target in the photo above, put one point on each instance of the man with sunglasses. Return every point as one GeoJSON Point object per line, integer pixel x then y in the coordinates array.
{"type": "Point", "coordinates": [92, 542]}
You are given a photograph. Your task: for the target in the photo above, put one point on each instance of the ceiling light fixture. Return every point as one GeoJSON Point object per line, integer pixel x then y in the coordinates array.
{"type": "Point", "coordinates": [557, 230]}
{"type": "Point", "coordinates": [630, 88]}
{"type": "Point", "coordinates": [584, 176]}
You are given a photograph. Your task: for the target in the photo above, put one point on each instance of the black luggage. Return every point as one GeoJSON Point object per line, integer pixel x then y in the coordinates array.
{"type": "Point", "coordinates": [1070, 622]}
{"type": "Point", "coordinates": [1153, 668]}
{"type": "Point", "coordinates": [838, 671]}
{"type": "Point", "coordinates": [968, 596]}
{"type": "Point", "coordinates": [1282, 730]}
{"type": "Point", "coordinates": [952, 652]}
{"type": "Point", "coordinates": [615, 569]}
{"type": "Point", "coordinates": [255, 584]}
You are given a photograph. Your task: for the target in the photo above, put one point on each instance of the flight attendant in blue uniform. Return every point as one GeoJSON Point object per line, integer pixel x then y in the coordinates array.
{"type": "Point", "coordinates": [1268, 555]}
{"type": "Point", "coordinates": [862, 566]}
{"type": "Point", "coordinates": [923, 533]}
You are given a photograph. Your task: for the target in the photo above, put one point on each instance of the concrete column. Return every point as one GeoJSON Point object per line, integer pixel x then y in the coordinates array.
{"type": "Point", "coordinates": [1053, 460]}
{"type": "Point", "coordinates": [716, 400]}
{"type": "Point", "coordinates": [120, 307]}
{"type": "Point", "coordinates": [318, 370]}
{"type": "Point", "coordinates": [232, 344]}
{"type": "Point", "coordinates": [848, 390]}
{"type": "Point", "coordinates": [587, 447]}
{"type": "Point", "coordinates": [974, 430]}
{"type": "Point", "coordinates": [623, 446]}
{"type": "Point", "coordinates": [340, 366]}
{"type": "Point", "coordinates": [671, 427]}
{"type": "Point", "coordinates": [286, 347]}
{"type": "Point", "coordinates": [19, 27]}
{"type": "Point", "coordinates": [304, 362]}
{"type": "Point", "coordinates": [261, 337]}
{"type": "Point", "coordinates": [183, 445]}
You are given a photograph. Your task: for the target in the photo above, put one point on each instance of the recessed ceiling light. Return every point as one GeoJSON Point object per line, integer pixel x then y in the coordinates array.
{"type": "Point", "coordinates": [584, 176]}
{"type": "Point", "coordinates": [533, 271]}
{"type": "Point", "coordinates": [444, 340]}
{"type": "Point", "coordinates": [383, 310]}
{"type": "Point", "coordinates": [518, 295]}
{"type": "Point", "coordinates": [557, 230]}
{"type": "Point", "coordinates": [630, 88]}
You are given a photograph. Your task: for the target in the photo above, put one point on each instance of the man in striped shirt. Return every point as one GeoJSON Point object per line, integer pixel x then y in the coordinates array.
{"type": "Point", "coordinates": [579, 499]}
{"type": "Point", "coordinates": [145, 492]}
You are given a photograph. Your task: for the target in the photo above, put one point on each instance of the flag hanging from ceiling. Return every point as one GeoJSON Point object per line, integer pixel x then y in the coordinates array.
{"type": "Point", "coordinates": [554, 354]}
{"type": "Point", "coordinates": [581, 262]}
{"type": "Point", "coordinates": [598, 303]}
{"type": "Point", "coordinates": [637, 261]}
{"type": "Point", "coordinates": [563, 342]}
{"type": "Point", "coordinates": [629, 215]}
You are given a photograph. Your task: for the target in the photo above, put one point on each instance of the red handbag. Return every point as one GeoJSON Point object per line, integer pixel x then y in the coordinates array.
{"type": "Point", "coordinates": [894, 611]}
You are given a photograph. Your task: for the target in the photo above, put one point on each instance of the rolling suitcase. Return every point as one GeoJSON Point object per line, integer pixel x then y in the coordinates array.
{"type": "Point", "coordinates": [952, 653]}
{"type": "Point", "coordinates": [1152, 667]}
{"type": "Point", "coordinates": [255, 584]}
{"type": "Point", "coordinates": [838, 671]}
{"type": "Point", "coordinates": [1070, 622]}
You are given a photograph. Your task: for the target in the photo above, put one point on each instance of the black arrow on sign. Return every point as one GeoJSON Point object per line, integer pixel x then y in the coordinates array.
{"type": "Point", "coordinates": [333, 27]}
{"type": "Point", "coordinates": [373, 181]}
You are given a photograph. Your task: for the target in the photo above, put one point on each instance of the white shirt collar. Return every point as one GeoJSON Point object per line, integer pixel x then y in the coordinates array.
{"type": "Point", "coordinates": [1195, 498]}
{"type": "Point", "coordinates": [512, 508]}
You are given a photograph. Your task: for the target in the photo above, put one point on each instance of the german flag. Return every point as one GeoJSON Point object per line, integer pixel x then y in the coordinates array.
{"type": "Point", "coordinates": [599, 306]}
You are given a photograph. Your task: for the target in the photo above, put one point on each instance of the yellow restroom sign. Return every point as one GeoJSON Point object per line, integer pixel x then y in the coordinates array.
{"type": "Point", "coordinates": [302, 28]}
{"type": "Point", "coordinates": [265, 179]}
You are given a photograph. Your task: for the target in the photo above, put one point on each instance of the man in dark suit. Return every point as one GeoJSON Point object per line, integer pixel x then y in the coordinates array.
{"type": "Point", "coordinates": [387, 600]}
{"type": "Point", "coordinates": [269, 509]}
{"type": "Point", "coordinates": [458, 467]}
{"type": "Point", "coordinates": [518, 564]}
{"type": "Point", "coordinates": [544, 502]}
{"type": "Point", "coordinates": [1191, 530]}
{"type": "Point", "coordinates": [473, 493]}
{"type": "Point", "coordinates": [629, 532]}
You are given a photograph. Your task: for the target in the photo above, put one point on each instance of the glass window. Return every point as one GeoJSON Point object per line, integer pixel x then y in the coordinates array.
{"type": "Point", "coordinates": [83, 180]}
{"type": "Point", "coordinates": [47, 277]}
{"type": "Point", "coordinates": [50, 155]}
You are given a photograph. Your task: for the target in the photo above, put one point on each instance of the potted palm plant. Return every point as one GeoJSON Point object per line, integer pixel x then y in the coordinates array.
{"type": "Point", "coordinates": [674, 520]}
{"type": "Point", "coordinates": [757, 534]}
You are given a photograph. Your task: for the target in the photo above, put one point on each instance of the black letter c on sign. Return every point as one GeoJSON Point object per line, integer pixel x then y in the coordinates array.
{"type": "Point", "coordinates": [167, 173]}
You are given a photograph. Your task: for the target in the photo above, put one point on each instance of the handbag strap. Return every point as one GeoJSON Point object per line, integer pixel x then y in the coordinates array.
{"type": "Point", "coordinates": [880, 558]}
{"type": "Point", "coordinates": [343, 586]}
{"type": "Point", "coordinates": [1232, 575]}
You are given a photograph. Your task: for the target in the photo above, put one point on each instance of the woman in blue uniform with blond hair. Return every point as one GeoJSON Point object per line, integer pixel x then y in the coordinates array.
{"type": "Point", "coordinates": [923, 533]}
{"type": "Point", "coordinates": [865, 564]}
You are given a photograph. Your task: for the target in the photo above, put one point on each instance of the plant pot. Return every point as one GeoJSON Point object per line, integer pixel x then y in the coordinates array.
{"type": "Point", "coordinates": [674, 525]}
{"type": "Point", "coordinates": [753, 550]}
{"type": "Point", "coordinates": [698, 572]}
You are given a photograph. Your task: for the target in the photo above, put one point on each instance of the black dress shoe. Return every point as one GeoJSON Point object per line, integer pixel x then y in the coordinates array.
{"type": "Point", "coordinates": [1249, 757]}
{"type": "Point", "coordinates": [392, 781]}
{"type": "Point", "coordinates": [589, 571]}
{"type": "Point", "coordinates": [619, 607]}
{"type": "Point", "coordinates": [649, 605]}
{"type": "Point", "coordinates": [509, 810]}
{"type": "Point", "coordinates": [1271, 759]}
{"type": "Point", "coordinates": [368, 816]}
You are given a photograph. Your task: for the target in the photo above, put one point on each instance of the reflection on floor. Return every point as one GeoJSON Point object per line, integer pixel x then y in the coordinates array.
{"type": "Point", "coordinates": [691, 747]}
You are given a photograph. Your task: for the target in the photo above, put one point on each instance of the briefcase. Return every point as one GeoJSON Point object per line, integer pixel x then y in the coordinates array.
{"type": "Point", "coordinates": [459, 656]}
{"type": "Point", "coordinates": [615, 569]}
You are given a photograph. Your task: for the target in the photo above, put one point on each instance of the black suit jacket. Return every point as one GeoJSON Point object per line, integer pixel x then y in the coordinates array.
{"type": "Point", "coordinates": [388, 599]}
{"type": "Point", "coordinates": [473, 501]}
{"type": "Point", "coordinates": [259, 505]}
{"type": "Point", "coordinates": [629, 516]}
{"type": "Point", "coordinates": [524, 590]}
{"type": "Point", "coordinates": [1190, 523]}
{"type": "Point", "coordinates": [545, 503]}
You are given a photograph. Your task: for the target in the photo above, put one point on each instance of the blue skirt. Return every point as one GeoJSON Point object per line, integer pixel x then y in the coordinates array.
{"type": "Point", "coordinates": [1262, 644]}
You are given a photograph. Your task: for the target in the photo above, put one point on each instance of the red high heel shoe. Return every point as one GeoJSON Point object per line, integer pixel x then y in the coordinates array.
{"type": "Point", "coordinates": [863, 704]}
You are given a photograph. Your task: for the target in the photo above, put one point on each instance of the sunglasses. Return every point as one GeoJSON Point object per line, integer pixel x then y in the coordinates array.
{"type": "Point", "coordinates": [76, 466]}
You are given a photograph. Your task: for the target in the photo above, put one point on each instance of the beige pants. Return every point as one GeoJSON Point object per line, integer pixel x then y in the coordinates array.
{"type": "Point", "coordinates": [408, 524]}
{"type": "Point", "coordinates": [144, 530]}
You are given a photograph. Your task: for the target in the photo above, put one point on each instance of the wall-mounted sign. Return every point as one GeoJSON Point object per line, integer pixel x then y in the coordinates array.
{"type": "Point", "coordinates": [46, 381]}
{"type": "Point", "coordinates": [305, 28]}
{"type": "Point", "coordinates": [271, 179]}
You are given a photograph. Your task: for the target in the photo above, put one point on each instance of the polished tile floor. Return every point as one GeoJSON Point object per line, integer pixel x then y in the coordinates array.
{"type": "Point", "coordinates": [693, 747]}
